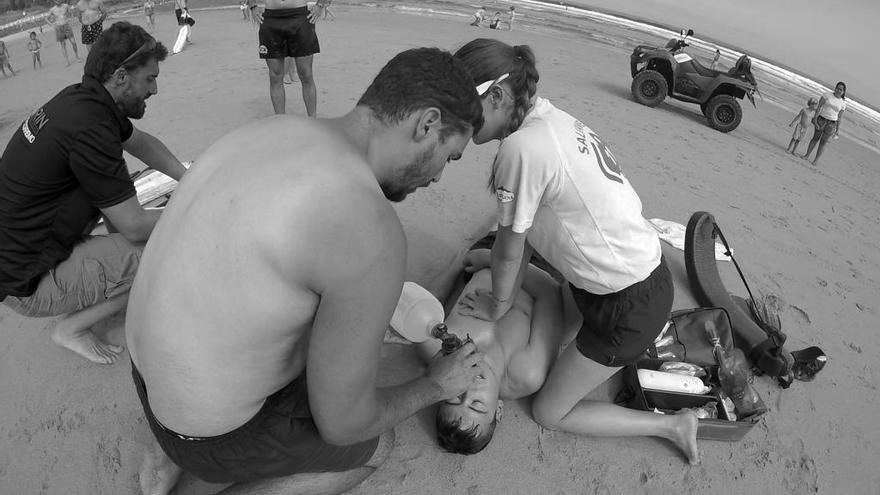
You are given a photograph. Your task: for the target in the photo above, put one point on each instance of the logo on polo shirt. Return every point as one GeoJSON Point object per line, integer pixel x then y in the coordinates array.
{"type": "Point", "coordinates": [504, 195]}
{"type": "Point", "coordinates": [31, 127]}
{"type": "Point", "coordinates": [263, 50]}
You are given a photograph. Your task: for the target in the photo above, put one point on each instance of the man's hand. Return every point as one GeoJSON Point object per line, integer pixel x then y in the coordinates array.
{"type": "Point", "coordinates": [482, 304]}
{"type": "Point", "coordinates": [455, 373]}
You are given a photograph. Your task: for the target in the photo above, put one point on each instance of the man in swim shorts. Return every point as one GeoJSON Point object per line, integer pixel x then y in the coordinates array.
{"type": "Point", "coordinates": [61, 171]}
{"type": "Point", "coordinates": [91, 15]}
{"type": "Point", "coordinates": [257, 317]}
{"type": "Point", "coordinates": [59, 18]}
{"type": "Point", "coordinates": [287, 29]}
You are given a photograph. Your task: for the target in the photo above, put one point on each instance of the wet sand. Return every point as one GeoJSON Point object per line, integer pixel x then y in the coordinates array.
{"type": "Point", "coordinates": [807, 234]}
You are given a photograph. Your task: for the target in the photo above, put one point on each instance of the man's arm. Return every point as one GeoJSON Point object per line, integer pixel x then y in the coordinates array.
{"type": "Point", "coordinates": [132, 220]}
{"type": "Point", "coordinates": [148, 149]}
{"type": "Point", "coordinates": [359, 280]}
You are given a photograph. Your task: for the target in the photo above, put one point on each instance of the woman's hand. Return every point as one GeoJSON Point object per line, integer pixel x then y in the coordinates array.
{"type": "Point", "coordinates": [482, 304]}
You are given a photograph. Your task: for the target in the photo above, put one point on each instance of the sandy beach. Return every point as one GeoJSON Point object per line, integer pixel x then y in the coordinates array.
{"type": "Point", "coordinates": [807, 234]}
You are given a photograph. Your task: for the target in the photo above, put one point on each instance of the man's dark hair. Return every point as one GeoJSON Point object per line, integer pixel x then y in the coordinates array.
{"type": "Point", "coordinates": [453, 438]}
{"type": "Point", "coordinates": [115, 45]}
{"type": "Point", "coordinates": [421, 78]}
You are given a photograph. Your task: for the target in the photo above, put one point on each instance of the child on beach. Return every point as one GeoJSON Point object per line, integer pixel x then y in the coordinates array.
{"type": "Point", "coordinates": [512, 14]}
{"type": "Point", "coordinates": [4, 59]}
{"type": "Point", "coordinates": [149, 10]}
{"type": "Point", "coordinates": [495, 21]}
{"type": "Point", "coordinates": [34, 46]}
{"type": "Point", "coordinates": [803, 119]}
{"type": "Point", "coordinates": [478, 16]}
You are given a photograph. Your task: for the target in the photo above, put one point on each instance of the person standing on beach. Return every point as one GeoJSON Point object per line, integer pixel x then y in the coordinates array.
{"type": "Point", "coordinates": [149, 12]}
{"type": "Point", "coordinates": [62, 170]}
{"type": "Point", "coordinates": [803, 119]}
{"type": "Point", "coordinates": [511, 17]}
{"type": "Point", "coordinates": [287, 29]}
{"type": "Point", "coordinates": [59, 18]}
{"type": "Point", "coordinates": [714, 63]}
{"type": "Point", "coordinates": [265, 376]}
{"type": "Point", "coordinates": [4, 59]}
{"type": "Point", "coordinates": [181, 12]}
{"type": "Point", "coordinates": [827, 120]}
{"type": "Point", "coordinates": [34, 45]}
{"type": "Point", "coordinates": [91, 15]}
{"type": "Point", "coordinates": [561, 192]}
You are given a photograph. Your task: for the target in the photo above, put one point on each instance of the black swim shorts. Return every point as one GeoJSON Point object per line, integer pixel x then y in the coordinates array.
{"type": "Point", "coordinates": [287, 33]}
{"type": "Point", "coordinates": [618, 327]}
{"type": "Point", "coordinates": [90, 32]}
{"type": "Point", "coordinates": [281, 440]}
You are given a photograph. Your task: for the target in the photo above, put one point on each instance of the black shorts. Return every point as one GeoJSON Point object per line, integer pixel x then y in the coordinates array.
{"type": "Point", "coordinates": [619, 327]}
{"type": "Point", "coordinates": [281, 440]}
{"type": "Point", "coordinates": [183, 20]}
{"type": "Point", "coordinates": [287, 33]}
{"type": "Point", "coordinates": [91, 32]}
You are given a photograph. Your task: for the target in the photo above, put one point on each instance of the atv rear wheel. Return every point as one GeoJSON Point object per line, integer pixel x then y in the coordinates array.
{"type": "Point", "coordinates": [724, 113]}
{"type": "Point", "coordinates": [649, 88]}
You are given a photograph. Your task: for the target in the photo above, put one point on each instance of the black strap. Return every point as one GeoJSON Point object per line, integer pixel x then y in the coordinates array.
{"type": "Point", "coordinates": [728, 252]}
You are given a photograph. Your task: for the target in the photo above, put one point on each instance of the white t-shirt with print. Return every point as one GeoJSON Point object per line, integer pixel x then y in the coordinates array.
{"type": "Point", "coordinates": [556, 180]}
{"type": "Point", "coordinates": [832, 107]}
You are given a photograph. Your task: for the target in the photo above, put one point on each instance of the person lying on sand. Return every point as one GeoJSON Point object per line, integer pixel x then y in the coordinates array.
{"type": "Point", "coordinates": [256, 322]}
{"type": "Point", "coordinates": [519, 350]}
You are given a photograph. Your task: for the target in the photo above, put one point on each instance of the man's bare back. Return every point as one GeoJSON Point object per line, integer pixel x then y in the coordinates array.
{"type": "Point", "coordinates": [240, 328]}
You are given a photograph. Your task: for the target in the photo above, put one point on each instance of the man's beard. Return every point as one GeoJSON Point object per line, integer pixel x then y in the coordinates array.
{"type": "Point", "coordinates": [134, 108]}
{"type": "Point", "coordinates": [397, 189]}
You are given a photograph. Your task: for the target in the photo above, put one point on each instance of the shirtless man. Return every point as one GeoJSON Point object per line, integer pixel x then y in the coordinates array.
{"type": "Point", "coordinates": [519, 350]}
{"type": "Point", "coordinates": [91, 15]}
{"type": "Point", "coordinates": [291, 266]}
{"type": "Point", "coordinates": [287, 29]}
{"type": "Point", "coordinates": [59, 18]}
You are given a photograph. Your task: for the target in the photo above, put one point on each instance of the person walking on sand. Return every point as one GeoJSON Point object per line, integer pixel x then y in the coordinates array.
{"type": "Point", "coordinates": [4, 59]}
{"type": "Point", "coordinates": [149, 13]}
{"type": "Point", "coordinates": [181, 12]}
{"type": "Point", "coordinates": [59, 17]}
{"type": "Point", "coordinates": [60, 172]}
{"type": "Point", "coordinates": [267, 378]}
{"type": "Point", "coordinates": [561, 191]}
{"type": "Point", "coordinates": [803, 119]}
{"type": "Point", "coordinates": [91, 15]}
{"type": "Point", "coordinates": [826, 120]}
{"type": "Point", "coordinates": [287, 29]}
{"type": "Point", "coordinates": [34, 45]}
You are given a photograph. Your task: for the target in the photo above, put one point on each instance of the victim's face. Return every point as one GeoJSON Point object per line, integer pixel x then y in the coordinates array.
{"type": "Point", "coordinates": [426, 166]}
{"type": "Point", "coordinates": [477, 406]}
{"type": "Point", "coordinates": [141, 84]}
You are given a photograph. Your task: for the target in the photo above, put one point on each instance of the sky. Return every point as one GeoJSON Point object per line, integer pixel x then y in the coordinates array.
{"type": "Point", "coordinates": [826, 40]}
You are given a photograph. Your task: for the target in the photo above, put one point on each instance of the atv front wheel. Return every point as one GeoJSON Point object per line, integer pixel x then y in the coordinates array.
{"type": "Point", "coordinates": [649, 88]}
{"type": "Point", "coordinates": [724, 113]}
{"type": "Point", "coordinates": [703, 108]}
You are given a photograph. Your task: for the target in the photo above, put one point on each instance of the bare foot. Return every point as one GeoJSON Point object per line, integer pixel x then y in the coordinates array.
{"type": "Point", "coordinates": [158, 473]}
{"type": "Point", "coordinates": [684, 435]}
{"type": "Point", "coordinates": [86, 344]}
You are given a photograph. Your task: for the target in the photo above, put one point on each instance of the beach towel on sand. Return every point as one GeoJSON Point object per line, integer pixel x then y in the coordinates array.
{"type": "Point", "coordinates": [673, 234]}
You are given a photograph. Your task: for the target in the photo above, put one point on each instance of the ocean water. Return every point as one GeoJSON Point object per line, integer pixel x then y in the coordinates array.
{"type": "Point", "coordinates": [778, 86]}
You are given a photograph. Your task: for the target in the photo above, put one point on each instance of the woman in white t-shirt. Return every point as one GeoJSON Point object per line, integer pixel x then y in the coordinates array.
{"type": "Point", "coordinates": [561, 192]}
{"type": "Point", "coordinates": [827, 119]}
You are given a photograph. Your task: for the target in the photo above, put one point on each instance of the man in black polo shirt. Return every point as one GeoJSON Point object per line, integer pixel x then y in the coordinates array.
{"type": "Point", "coordinates": [62, 170]}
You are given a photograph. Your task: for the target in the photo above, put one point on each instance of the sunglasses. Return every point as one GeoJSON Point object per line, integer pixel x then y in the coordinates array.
{"type": "Point", "coordinates": [484, 88]}
{"type": "Point", "coordinates": [149, 46]}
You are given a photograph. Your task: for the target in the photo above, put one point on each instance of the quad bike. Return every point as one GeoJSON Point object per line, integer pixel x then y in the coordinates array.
{"type": "Point", "coordinates": [660, 72]}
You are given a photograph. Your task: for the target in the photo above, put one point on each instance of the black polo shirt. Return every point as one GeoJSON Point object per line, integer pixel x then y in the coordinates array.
{"type": "Point", "coordinates": [62, 164]}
